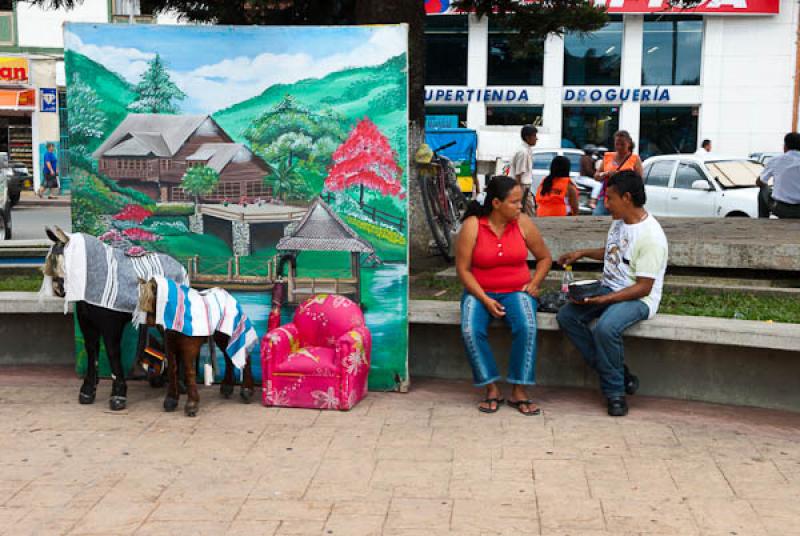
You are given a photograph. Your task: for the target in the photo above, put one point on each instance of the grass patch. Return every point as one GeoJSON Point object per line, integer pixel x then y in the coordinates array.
{"type": "Point", "coordinates": [21, 283]}
{"type": "Point", "coordinates": [690, 302]}
{"type": "Point", "coordinates": [699, 302]}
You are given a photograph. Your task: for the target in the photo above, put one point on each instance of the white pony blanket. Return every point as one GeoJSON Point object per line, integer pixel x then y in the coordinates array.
{"type": "Point", "coordinates": [201, 314]}
{"type": "Point", "coordinates": [107, 277]}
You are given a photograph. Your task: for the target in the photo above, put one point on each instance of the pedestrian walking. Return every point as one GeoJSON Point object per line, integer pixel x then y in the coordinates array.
{"type": "Point", "coordinates": [557, 190]}
{"type": "Point", "coordinates": [522, 164]}
{"type": "Point", "coordinates": [50, 182]}
{"type": "Point", "coordinates": [491, 261]}
{"type": "Point", "coordinates": [620, 160]}
{"type": "Point", "coordinates": [784, 170]}
{"type": "Point", "coordinates": [634, 263]}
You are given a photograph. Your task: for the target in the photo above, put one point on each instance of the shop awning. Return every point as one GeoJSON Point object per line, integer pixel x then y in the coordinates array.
{"type": "Point", "coordinates": [17, 99]}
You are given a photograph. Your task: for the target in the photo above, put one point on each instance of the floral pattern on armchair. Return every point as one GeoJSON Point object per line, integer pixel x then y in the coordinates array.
{"type": "Point", "coordinates": [319, 360]}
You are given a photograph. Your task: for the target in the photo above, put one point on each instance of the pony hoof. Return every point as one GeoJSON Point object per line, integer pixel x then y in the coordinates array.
{"type": "Point", "coordinates": [226, 390]}
{"type": "Point", "coordinates": [191, 409]}
{"type": "Point", "coordinates": [118, 403]}
{"type": "Point", "coordinates": [86, 398]}
{"type": "Point", "coordinates": [170, 404]}
{"type": "Point", "coordinates": [246, 395]}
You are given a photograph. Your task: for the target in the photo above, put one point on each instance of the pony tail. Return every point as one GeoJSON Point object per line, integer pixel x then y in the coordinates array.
{"type": "Point", "coordinates": [476, 209]}
{"type": "Point", "coordinates": [547, 184]}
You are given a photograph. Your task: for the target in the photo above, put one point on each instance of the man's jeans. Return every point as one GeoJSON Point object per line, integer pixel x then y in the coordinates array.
{"type": "Point", "coordinates": [521, 317]}
{"type": "Point", "coordinates": [602, 347]}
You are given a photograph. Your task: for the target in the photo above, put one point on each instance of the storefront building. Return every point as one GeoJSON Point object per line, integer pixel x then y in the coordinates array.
{"type": "Point", "coordinates": [725, 71]}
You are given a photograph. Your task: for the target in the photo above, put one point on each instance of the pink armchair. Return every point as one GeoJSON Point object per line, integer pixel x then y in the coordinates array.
{"type": "Point", "coordinates": [319, 360]}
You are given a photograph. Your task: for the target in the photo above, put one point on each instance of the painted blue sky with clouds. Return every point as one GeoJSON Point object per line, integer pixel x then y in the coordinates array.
{"type": "Point", "coordinates": [217, 66]}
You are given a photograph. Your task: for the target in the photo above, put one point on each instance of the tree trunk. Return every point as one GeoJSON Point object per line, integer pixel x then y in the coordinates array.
{"type": "Point", "coordinates": [361, 197]}
{"type": "Point", "coordinates": [411, 12]}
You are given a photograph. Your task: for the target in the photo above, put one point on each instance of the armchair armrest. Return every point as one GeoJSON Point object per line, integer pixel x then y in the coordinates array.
{"type": "Point", "coordinates": [280, 342]}
{"type": "Point", "coordinates": [353, 350]}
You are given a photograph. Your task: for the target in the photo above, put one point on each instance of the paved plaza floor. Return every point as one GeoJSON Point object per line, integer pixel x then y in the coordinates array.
{"type": "Point", "coordinates": [422, 463]}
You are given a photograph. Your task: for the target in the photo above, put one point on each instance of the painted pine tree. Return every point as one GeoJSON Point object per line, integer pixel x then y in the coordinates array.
{"type": "Point", "coordinates": [366, 160]}
{"type": "Point", "coordinates": [86, 121]}
{"type": "Point", "coordinates": [156, 93]}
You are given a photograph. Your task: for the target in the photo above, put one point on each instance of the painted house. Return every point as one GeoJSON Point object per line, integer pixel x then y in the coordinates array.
{"type": "Point", "coordinates": [152, 152]}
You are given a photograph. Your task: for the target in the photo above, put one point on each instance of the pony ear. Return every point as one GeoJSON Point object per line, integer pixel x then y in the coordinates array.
{"type": "Point", "coordinates": [50, 234]}
{"type": "Point", "coordinates": [62, 236]}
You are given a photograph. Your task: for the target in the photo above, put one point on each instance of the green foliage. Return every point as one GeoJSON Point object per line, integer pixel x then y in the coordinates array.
{"type": "Point", "coordinates": [21, 283]}
{"type": "Point", "coordinates": [297, 142]}
{"type": "Point", "coordinates": [156, 93]}
{"type": "Point", "coordinates": [200, 180]}
{"type": "Point", "coordinates": [86, 120]}
{"type": "Point", "coordinates": [173, 209]}
{"type": "Point", "coordinates": [113, 92]}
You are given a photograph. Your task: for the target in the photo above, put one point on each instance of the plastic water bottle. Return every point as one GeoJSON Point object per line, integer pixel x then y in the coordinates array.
{"type": "Point", "coordinates": [566, 280]}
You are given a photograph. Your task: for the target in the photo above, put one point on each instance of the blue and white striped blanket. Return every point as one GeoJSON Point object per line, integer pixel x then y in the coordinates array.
{"type": "Point", "coordinates": [201, 314]}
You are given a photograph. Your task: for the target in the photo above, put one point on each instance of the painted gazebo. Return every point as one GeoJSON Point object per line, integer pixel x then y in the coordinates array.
{"type": "Point", "coordinates": [322, 230]}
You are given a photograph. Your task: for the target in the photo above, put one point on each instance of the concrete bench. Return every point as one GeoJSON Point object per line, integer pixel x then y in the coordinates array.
{"type": "Point", "coordinates": [697, 329]}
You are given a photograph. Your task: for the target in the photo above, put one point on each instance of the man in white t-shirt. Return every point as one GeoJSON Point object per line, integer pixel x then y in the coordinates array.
{"type": "Point", "coordinates": [634, 263]}
{"type": "Point", "coordinates": [521, 167]}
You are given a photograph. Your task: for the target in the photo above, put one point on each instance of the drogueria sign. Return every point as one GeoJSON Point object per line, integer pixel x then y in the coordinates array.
{"type": "Point", "coordinates": [615, 95]}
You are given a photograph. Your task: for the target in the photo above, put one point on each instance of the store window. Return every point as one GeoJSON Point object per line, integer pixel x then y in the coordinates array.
{"type": "Point", "coordinates": [446, 50]}
{"type": "Point", "coordinates": [582, 125]}
{"type": "Point", "coordinates": [509, 69]}
{"type": "Point", "coordinates": [6, 5]}
{"type": "Point", "coordinates": [671, 51]}
{"type": "Point", "coordinates": [444, 116]}
{"type": "Point", "coordinates": [514, 115]}
{"type": "Point", "coordinates": [594, 59]}
{"type": "Point", "coordinates": [667, 130]}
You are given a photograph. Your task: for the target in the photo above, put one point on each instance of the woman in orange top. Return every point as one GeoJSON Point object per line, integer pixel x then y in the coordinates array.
{"type": "Point", "coordinates": [556, 189]}
{"type": "Point", "coordinates": [620, 160]}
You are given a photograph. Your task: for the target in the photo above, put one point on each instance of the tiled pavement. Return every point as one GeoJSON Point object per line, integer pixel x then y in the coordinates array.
{"type": "Point", "coordinates": [416, 464]}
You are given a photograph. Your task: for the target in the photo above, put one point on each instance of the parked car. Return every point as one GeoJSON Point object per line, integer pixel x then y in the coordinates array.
{"type": "Point", "coordinates": [19, 177]}
{"type": "Point", "coordinates": [762, 158]}
{"type": "Point", "coordinates": [702, 186]}
{"type": "Point", "coordinates": [5, 209]}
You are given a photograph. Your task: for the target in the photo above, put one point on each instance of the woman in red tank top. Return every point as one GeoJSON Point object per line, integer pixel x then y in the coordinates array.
{"type": "Point", "coordinates": [491, 261]}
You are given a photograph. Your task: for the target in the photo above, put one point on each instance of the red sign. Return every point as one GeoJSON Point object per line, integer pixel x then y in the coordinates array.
{"type": "Point", "coordinates": [709, 7]}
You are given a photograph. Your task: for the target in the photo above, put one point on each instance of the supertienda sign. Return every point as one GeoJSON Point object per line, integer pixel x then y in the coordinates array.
{"type": "Point", "coordinates": [13, 70]}
{"type": "Point", "coordinates": [709, 7]}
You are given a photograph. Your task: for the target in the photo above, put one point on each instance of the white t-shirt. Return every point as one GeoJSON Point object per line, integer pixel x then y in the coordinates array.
{"type": "Point", "coordinates": [638, 250]}
{"type": "Point", "coordinates": [522, 163]}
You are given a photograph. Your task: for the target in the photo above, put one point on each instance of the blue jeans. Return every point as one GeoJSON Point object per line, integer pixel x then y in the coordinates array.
{"type": "Point", "coordinates": [521, 317]}
{"type": "Point", "coordinates": [602, 347]}
{"type": "Point", "coordinates": [600, 209]}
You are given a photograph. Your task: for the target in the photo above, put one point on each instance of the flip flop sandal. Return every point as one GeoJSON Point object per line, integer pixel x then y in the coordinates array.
{"type": "Point", "coordinates": [497, 401]}
{"type": "Point", "coordinates": [518, 405]}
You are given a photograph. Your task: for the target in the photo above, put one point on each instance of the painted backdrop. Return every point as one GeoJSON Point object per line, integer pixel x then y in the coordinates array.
{"type": "Point", "coordinates": [211, 144]}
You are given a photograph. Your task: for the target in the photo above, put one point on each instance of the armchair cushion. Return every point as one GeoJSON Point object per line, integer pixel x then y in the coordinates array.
{"type": "Point", "coordinates": [309, 361]}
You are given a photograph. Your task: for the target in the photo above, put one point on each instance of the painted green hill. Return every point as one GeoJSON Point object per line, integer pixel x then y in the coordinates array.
{"type": "Point", "coordinates": [378, 92]}
{"type": "Point", "coordinates": [115, 92]}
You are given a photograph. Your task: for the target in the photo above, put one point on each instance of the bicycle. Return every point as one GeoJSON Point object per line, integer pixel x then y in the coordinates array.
{"type": "Point", "coordinates": [442, 198]}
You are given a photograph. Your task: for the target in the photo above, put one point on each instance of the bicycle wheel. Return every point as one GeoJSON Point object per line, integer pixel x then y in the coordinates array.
{"type": "Point", "coordinates": [432, 198]}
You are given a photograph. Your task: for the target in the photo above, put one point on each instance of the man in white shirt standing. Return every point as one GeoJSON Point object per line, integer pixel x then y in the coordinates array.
{"type": "Point", "coordinates": [784, 170]}
{"type": "Point", "coordinates": [522, 163]}
{"type": "Point", "coordinates": [705, 147]}
{"type": "Point", "coordinates": [634, 263]}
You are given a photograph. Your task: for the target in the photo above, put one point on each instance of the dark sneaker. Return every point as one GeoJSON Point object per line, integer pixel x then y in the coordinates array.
{"type": "Point", "coordinates": [617, 407]}
{"type": "Point", "coordinates": [631, 382]}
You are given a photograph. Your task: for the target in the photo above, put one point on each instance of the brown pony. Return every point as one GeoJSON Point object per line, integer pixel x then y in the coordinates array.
{"type": "Point", "coordinates": [185, 349]}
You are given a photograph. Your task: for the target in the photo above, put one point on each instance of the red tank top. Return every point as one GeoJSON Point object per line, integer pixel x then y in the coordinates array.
{"type": "Point", "coordinates": [500, 264]}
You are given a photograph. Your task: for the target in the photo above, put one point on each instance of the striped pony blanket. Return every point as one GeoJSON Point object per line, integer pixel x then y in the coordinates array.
{"type": "Point", "coordinates": [106, 277]}
{"type": "Point", "coordinates": [201, 314]}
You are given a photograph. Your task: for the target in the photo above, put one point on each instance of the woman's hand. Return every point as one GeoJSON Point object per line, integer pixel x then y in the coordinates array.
{"type": "Point", "coordinates": [495, 308]}
{"type": "Point", "coordinates": [532, 289]}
